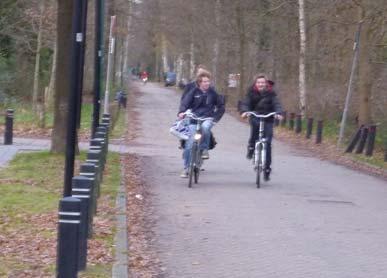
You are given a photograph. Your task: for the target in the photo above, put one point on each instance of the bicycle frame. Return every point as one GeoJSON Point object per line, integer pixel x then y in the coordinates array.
{"type": "Point", "coordinates": [260, 148]}
{"type": "Point", "coordinates": [196, 158]}
{"type": "Point", "coordinates": [260, 144]}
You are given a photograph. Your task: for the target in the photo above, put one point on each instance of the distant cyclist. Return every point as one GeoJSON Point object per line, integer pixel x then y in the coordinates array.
{"type": "Point", "coordinates": [262, 99]}
{"type": "Point", "coordinates": [144, 76]}
{"type": "Point", "coordinates": [203, 101]}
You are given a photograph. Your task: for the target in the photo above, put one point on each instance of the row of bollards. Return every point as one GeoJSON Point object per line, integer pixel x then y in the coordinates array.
{"type": "Point", "coordinates": [294, 122]}
{"type": "Point", "coordinates": [363, 138]}
{"type": "Point", "coordinates": [75, 225]}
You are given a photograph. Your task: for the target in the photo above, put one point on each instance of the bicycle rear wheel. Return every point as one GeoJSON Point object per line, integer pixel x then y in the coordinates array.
{"type": "Point", "coordinates": [192, 164]}
{"type": "Point", "coordinates": [259, 167]}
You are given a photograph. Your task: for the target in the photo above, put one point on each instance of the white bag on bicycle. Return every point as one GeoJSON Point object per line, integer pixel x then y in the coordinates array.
{"type": "Point", "coordinates": [180, 129]}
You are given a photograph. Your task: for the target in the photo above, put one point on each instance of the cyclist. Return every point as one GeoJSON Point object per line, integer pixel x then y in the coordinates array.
{"type": "Point", "coordinates": [203, 101]}
{"type": "Point", "coordinates": [189, 87]}
{"type": "Point", "coordinates": [262, 99]}
{"type": "Point", "coordinates": [144, 76]}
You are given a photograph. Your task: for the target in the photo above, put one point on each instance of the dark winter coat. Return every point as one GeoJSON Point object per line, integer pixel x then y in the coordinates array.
{"type": "Point", "coordinates": [190, 86]}
{"type": "Point", "coordinates": [261, 102]}
{"type": "Point", "coordinates": [209, 104]}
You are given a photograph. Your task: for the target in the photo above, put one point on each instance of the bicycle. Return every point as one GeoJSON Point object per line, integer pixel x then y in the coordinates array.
{"type": "Point", "coordinates": [260, 148]}
{"type": "Point", "coordinates": [196, 160]}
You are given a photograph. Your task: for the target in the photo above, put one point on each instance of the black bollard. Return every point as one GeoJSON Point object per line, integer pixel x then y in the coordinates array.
{"type": "Point", "coordinates": [291, 121]}
{"type": "Point", "coordinates": [355, 138]}
{"type": "Point", "coordinates": [319, 132]}
{"type": "Point", "coordinates": [298, 124]}
{"type": "Point", "coordinates": [284, 115]}
{"type": "Point", "coordinates": [8, 133]}
{"type": "Point", "coordinates": [102, 128]}
{"type": "Point", "coordinates": [83, 190]}
{"type": "Point", "coordinates": [106, 118]}
{"type": "Point", "coordinates": [99, 144]}
{"type": "Point", "coordinates": [104, 136]}
{"type": "Point", "coordinates": [95, 156]}
{"type": "Point", "coordinates": [68, 237]}
{"type": "Point", "coordinates": [371, 140]}
{"type": "Point", "coordinates": [105, 125]}
{"type": "Point", "coordinates": [89, 170]}
{"type": "Point", "coordinates": [309, 128]}
{"type": "Point", "coordinates": [362, 141]}
{"type": "Point", "coordinates": [83, 225]}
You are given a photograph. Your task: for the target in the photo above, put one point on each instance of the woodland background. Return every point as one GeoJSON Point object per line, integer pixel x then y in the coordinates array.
{"type": "Point", "coordinates": [228, 36]}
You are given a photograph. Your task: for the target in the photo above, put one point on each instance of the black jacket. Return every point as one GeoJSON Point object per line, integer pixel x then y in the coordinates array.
{"type": "Point", "coordinates": [261, 102]}
{"type": "Point", "coordinates": [209, 104]}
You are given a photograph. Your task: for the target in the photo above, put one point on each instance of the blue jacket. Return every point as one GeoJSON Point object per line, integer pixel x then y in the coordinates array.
{"type": "Point", "coordinates": [209, 104]}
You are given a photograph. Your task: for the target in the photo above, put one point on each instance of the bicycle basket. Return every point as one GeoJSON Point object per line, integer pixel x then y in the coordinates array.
{"type": "Point", "coordinates": [180, 129]}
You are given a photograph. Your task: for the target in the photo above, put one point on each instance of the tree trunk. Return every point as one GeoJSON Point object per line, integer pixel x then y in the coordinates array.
{"type": "Point", "coordinates": [35, 92]}
{"type": "Point", "coordinates": [365, 82]}
{"type": "Point", "coordinates": [157, 59]}
{"type": "Point", "coordinates": [62, 76]}
{"type": "Point", "coordinates": [164, 54]}
{"type": "Point", "coordinates": [242, 49]}
{"type": "Point", "coordinates": [302, 103]}
{"type": "Point", "coordinates": [192, 57]}
{"type": "Point", "coordinates": [365, 70]}
{"type": "Point", "coordinates": [179, 68]}
{"type": "Point", "coordinates": [216, 44]}
{"type": "Point", "coordinates": [127, 39]}
{"type": "Point", "coordinates": [51, 85]}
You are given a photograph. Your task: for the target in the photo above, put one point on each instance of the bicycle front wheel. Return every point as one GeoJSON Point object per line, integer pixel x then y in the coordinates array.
{"type": "Point", "coordinates": [259, 167]}
{"type": "Point", "coordinates": [192, 164]}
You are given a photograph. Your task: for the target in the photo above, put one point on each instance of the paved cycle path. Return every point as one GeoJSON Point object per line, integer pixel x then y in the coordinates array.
{"type": "Point", "coordinates": [313, 219]}
{"type": "Point", "coordinates": [7, 152]}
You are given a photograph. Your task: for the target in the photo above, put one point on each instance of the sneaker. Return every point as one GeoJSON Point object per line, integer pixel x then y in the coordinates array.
{"type": "Point", "coordinates": [266, 174]}
{"type": "Point", "coordinates": [205, 154]}
{"type": "Point", "coordinates": [184, 174]}
{"type": "Point", "coordinates": [250, 152]}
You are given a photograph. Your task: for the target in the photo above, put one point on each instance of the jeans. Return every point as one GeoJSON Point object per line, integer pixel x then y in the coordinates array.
{"type": "Point", "coordinates": [267, 133]}
{"type": "Point", "coordinates": [204, 143]}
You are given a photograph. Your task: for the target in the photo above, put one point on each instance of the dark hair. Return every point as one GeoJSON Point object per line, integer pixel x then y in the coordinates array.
{"type": "Point", "coordinates": [259, 75]}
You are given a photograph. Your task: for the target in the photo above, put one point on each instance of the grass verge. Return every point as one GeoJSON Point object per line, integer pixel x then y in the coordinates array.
{"type": "Point", "coordinates": [330, 136]}
{"type": "Point", "coordinates": [30, 190]}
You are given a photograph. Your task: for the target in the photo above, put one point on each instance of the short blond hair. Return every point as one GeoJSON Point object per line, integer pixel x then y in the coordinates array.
{"type": "Point", "coordinates": [203, 73]}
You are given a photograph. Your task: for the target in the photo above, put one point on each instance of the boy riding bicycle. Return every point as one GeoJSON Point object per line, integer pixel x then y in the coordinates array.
{"type": "Point", "coordinates": [262, 100]}
{"type": "Point", "coordinates": [203, 101]}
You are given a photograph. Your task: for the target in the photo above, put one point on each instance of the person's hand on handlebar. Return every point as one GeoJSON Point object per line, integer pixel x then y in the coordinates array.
{"type": "Point", "coordinates": [181, 115]}
{"type": "Point", "coordinates": [244, 115]}
{"type": "Point", "coordinates": [279, 117]}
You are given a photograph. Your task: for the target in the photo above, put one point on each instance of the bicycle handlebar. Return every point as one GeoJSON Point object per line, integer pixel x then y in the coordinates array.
{"type": "Point", "coordinates": [261, 115]}
{"type": "Point", "coordinates": [194, 117]}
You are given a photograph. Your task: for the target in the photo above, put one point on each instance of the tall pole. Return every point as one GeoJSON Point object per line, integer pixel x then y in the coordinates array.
{"type": "Point", "coordinates": [97, 64]}
{"type": "Point", "coordinates": [349, 92]}
{"type": "Point", "coordinates": [109, 63]}
{"type": "Point", "coordinates": [77, 43]}
{"type": "Point", "coordinates": [82, 61]}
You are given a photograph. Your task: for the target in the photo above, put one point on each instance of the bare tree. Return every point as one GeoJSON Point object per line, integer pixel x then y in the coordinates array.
{"type": "Point", "coordinates": [302, 57]}
{"type": "Point", "coordinates": [62, 83]}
